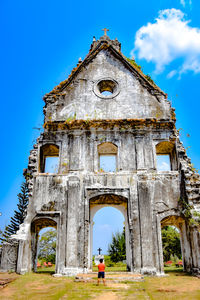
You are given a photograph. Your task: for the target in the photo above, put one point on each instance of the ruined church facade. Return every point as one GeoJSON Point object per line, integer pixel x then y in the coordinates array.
{"type": "Point", "coordinates": [108, 108]}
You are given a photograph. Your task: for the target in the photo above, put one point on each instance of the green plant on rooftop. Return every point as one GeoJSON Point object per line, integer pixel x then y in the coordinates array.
{"type": "Point", "coordinates": [148, 77]}
{"type": "Point", "coordinates": [132, 61]}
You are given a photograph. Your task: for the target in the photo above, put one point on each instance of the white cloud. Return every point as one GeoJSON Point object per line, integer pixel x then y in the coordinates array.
{"type": "Point", "coordinates": [183, 2]}
{"type": "Point", "coordinates": [168, 38]}
{"type": "Point", "coordinates": [171, 74]}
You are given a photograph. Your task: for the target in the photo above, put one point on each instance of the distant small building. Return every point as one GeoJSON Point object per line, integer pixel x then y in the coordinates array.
{"type": "Point", "coordinates": [106, 127]}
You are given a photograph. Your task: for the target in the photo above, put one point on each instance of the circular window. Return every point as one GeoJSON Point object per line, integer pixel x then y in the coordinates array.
{"type": "Point", "coordinates": [106, 88]}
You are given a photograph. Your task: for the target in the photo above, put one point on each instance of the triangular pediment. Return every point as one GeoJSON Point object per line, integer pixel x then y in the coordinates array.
{"type": "Point", "coordinates": [130, 64]}
{"type": "Point", "coordinates": [106, 69]}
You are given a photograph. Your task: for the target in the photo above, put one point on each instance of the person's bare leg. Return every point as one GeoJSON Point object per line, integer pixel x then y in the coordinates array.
{"type": "Point", "coordinates": [98, 280]}
{"type": "Point", "coordinates": [104, 281]}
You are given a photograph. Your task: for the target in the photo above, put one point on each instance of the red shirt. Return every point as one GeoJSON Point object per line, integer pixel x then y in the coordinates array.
{"type": "Point", "coordinates": [101, 267]}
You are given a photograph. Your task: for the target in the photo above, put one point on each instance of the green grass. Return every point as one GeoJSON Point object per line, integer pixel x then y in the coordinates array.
{"type": "Point", "coordinates": [44, 286]}
{"type": "Point", "coordinates": [178, 285]}
{"type": "Point", "coordinates": [46, 270]}
{"type": "Point", "coordinates": [174, 269]}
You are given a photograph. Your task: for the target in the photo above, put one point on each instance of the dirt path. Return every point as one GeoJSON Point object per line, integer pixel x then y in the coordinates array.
{"type": "Point", "coordinates": [112, 295]}
{"type": "Point", "coordinates": [6, 278]}
{"type": "Point", "coordinates": [107, 296]}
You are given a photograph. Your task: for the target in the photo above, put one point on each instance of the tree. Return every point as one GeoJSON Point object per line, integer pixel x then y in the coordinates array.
{"type": "Point", "coordinates": [117, 248]}
{"type": "Point", "coordinates": [1, 234]}
{"type": "Point", "coordinates": [171, 243]}
{"type": "Point", "coordinates": [47, 246]}
{"type": "Point", "coordinates": [4, 235]}
{"type": "Point", "coordinates": [19, 215]}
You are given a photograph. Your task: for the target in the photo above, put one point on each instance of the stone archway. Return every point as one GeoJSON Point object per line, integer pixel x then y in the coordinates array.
{"type": "Point", "coordinates": [177, 222]}
{"type": "Point", "coordinates": [37, 224]}
{"type": "Point", "coordinates": [172, 218]}
{"type": "Point", "coordinates": [109, 200]}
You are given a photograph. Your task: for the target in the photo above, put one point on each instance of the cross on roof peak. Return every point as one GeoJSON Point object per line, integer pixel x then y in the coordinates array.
{"type": "Point", "coordinates": [105, 31]}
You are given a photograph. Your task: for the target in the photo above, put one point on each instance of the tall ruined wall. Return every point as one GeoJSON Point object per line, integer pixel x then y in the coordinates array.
{"type": "Point", "coordinates": [139, 123]}
{"type": "Point", "coordinates": [78, 149]}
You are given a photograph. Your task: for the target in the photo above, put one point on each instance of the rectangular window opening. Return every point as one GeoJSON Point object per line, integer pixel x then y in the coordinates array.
{"type": "Point", "coordinates": [107, 163]}
{"type": "Point", "coordinates": [51, 164]}
{"type": "Point", "coordinates": [163, 162]}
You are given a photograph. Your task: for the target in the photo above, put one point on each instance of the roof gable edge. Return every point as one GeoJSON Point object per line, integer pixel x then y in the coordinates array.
{"type": "Point", "coordinates": [153, 89]}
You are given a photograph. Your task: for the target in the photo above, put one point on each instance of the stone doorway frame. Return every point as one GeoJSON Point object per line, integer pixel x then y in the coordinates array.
{"type": "Point", "coordinates": [175, 219]}
{"type": "Point", "coordinates": [123, 206]}
{"type": "Point", "coordinates": [40, 221]}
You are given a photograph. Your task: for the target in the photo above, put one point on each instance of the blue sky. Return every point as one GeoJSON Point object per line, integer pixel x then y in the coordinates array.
{"type": "Point", "coordinates": [41, 41]}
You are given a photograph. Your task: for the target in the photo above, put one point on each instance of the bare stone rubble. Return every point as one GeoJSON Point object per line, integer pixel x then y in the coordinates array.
{"type": "Point", "coordinates": [107, 106]}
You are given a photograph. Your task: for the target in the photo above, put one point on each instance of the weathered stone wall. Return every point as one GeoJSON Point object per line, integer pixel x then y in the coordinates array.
{"type": "Point", "coordinates": [79, 101]}
{"type": "Point", "coordinates": [135, 118]}
{"type": "Point", "coordinates": [9, 255]}
{"type": "Point", "coordinates": [78, 149]}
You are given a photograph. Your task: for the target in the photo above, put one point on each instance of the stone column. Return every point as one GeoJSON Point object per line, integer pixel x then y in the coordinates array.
{"type": "Point", "coordinates": [186, 247]}
{"type": "Point", "coordinates": [24, 260]}
{"type": "Point", "coordinates": [72, 263]}
{"type": "Point", "coordinates": [191, 248]}
{"type": "Point", "coordinates": [88, 229]}
{"type": "Point", "coordinates": [158, 246]}
{"type": "Point", "coordinates": [134, 226]}
{"type": "Point", "coordinates": [146, 228]}
{"type": "Point", "coordinates": [195, 243]}
{"type": "Point", "coordinates": [61, 242]}
{"type": "Point", "coordinates": [140, 155]}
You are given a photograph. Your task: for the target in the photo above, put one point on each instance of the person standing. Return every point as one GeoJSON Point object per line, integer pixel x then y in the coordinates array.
{"type": "Point", "coordinates": [101, 272]}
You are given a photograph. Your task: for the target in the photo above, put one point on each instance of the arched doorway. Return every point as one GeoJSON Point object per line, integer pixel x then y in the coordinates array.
{"type": "Point", "coordinates": [46, 250]}
{"type": "Point", "coordinates": [106, 222]}
{"type": "Point", "coordinates": [115, 201]}
{"type": "Point", "coordinates": [37, 225]}
{"type": "Point", "coordinates": [176, 223]}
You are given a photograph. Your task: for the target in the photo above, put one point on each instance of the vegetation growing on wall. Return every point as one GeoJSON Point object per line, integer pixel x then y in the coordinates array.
{"type": "Point", "coordinates": [187, 210]}
{"type": "Point", "coordinates": [133, 62]}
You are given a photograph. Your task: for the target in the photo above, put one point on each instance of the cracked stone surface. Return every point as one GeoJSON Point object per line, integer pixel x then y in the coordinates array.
{"type": "Point", "coordinates": [135, 123]}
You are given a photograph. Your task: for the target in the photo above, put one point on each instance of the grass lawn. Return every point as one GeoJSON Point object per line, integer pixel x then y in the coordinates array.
{"type": "Point", "coordinates": [177, 285]}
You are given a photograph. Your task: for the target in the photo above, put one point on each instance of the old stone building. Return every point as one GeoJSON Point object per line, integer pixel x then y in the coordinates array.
{"type": "Point", "coordinates": [108, 108]}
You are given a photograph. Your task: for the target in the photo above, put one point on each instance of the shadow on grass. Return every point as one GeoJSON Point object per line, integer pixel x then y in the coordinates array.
{"type": "Point", "coordinates": [176, 271]}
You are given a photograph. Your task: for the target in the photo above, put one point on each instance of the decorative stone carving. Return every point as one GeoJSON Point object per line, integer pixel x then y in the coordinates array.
{"type": "Point", "coordinates": [9, 255]}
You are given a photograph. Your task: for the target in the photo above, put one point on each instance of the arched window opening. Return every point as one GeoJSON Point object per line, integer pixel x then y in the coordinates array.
{"type": "Point", "coordinates": [107, 157]}
{"type": "Point", "coordinates": [49, 158]}
{"type": "Point", "coordinates": [166, 156]}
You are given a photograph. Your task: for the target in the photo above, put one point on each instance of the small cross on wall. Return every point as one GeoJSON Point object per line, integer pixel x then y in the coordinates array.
{"type": "Point", "coordinates": [105, 31]}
